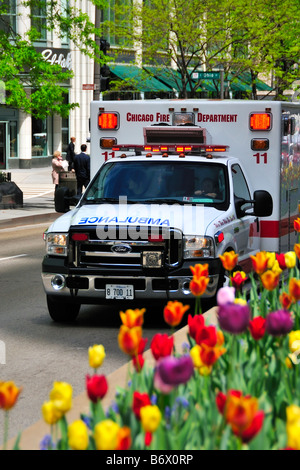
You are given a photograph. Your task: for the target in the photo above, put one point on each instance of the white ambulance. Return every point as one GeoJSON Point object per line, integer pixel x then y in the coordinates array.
{"type": "Point", "coordinates": [175, 183]}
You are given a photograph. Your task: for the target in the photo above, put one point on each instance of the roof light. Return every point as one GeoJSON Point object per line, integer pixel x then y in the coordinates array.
{"type": "Point", "coordinates": [108, 121]}
{"type": "Point", "coordinates": [260, 121]}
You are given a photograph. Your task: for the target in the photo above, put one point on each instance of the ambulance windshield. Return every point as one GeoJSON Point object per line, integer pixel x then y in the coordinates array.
{"type": "Point", "coordinates": [160, 182]}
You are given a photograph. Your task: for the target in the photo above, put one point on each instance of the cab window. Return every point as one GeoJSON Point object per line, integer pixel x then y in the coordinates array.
{"type": "Point", "coordinates": [240, 187]}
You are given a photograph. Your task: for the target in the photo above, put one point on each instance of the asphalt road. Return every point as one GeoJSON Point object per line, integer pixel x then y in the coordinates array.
{"type": "Point", "coordinates": [39, 351]}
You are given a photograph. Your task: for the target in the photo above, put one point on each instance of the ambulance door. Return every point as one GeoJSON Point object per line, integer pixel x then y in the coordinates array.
{"type": "Point", "coordinates": [245, 229]}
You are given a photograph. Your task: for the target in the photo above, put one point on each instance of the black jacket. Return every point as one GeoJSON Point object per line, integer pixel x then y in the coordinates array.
{"type": "Point", "coordinates": [82, 166]}
{"type": "Point", "coordinates": [70, 152]}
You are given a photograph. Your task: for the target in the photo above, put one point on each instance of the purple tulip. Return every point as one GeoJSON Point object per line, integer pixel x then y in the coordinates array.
{"type": "Point", "coordinates": [279, 323]}
{"type": "Point", "coordinates": [175, 370]}
{"type": "Point", "coordinates": [234, 318]}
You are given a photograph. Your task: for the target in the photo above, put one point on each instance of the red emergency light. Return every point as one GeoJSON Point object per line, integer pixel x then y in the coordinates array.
{"type": "Point", "coordinates": [108, 121]}
{"type": "Point", "coordinates": [172, 148]}
{"type": "Point", "coordinates": [260, 121]}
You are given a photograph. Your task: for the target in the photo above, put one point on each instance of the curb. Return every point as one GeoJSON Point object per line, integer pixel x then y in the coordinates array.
{"type": "Point", "coordinates": [29, 220]}
{"type": "Point", "coordinates": [33, 435]}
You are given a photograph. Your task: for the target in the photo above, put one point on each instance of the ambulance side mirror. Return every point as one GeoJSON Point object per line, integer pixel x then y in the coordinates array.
{"type": "Point", "coordinates": [263, 203]}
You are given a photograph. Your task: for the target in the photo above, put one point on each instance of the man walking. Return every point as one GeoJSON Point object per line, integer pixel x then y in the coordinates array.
{"type": "Point", "coordinates": [71, 153]}
{"type": "Point", "coordinates": [82, 169]}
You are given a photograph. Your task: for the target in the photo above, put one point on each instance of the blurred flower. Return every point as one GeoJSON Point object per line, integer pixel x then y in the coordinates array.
{"type": "Point", "coordinates": [234, 318]}
{"type": "Point", "coordinates": [9, 394]}
{"type": "Point", "coordinates": [129, 339]}
{"type": "Point", "coordinates": [290, 259]}
{"type": "Point", "coordinates": [286, 300]}
{"type": "Point", "coordinates": [162, 345]}
{"type": "Point", "coordinates": [204, 356]}
{"type": "Point", "coordinates": [61, 396]}
{"type": "Point", "coordinates": [259, 262]}
{"type": "Point", "coordinates": [226, 295]}
{"type": "Point", "coordinates": [133, 318]}
{"type": "Point", "coordinates": [271, 259]}
{"type": "Point", "coordinates": [138, 362]}
{"type": "Point", "coordinates": [207, 335]}
{"type": "Point", "coordinates": [257, 328]}
{"type": "Point", "coordinates": [241, 413]}
{"type": "Point", "coordinates": [78, 435]}
{"type": "Point", "coordinates": [47, 443]}
{"type": "Point", "coordinates": [106, 434]}
{"type": "Point", "coordinates": [124, 438]}
{"type": "Point", "coordinates": [139, 400]}
{"type": "Point", "coordinates": [279, 323]}
{"type": "Point", "coordinates": [281, 260]}
{"type": "Point", "coordinates": [198, 285]}
{"type": "Point", "coordinates": [195, 323]}
{"type": "Point", "coordinates": [229, 260]}
{"type": "Point", "coordinates": [293, 427]}
{"type": "Point", "coordinates": [174, 312]}
{"type": "Point", "coordinates": [96, 355]}
{"type": "Point", "coordinates": [294, 341]}
{"type": "Point", "coordinates": [294, 289]}
{"type": "Point", "coordinates": [297, 250]}
{"type": "Point", "coordinates": [199, 270]}
{"type": "Point", "coordinates": [175, 370]}
{"type": "Point", "coordinates": [238, 279]}
{"type": "Point", "coordinates": [150, 418]}
{"type": "Point", "coordinates": [50, 413]}
{"type": "Point", "coordinates": [297, 224]}
{"type": "Point", "coordinates": [270, 280]}
{"type": "Point", "coordinates": [96, 387]}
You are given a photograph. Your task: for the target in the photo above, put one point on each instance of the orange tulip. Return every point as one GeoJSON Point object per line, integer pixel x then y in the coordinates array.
{"type": "Point", "coordinates": [129, 339]}
{"type": "Point", "coordinates": [260, 262]}
{"type": "Point", "coordinates": [297, 250]}
{"type": "Point", "coordinates": [174, 312]}
{"type": "Point", "coordinates": [9, 394]}
{"type": "Point", "coordinates": [294, 289]}
{"type": "Point", "coordinates": [243, 415]}
{"type": "Point", "coordinates": [133, 318]}
{"type": "Point", "coordinates": [297, 224]}
{"type": "Point", "coordinates": [199, 270]}
{"type": "Point", "coordinates": [229, 260]}
{"type": "Point", "coordinates": [198, 285]}
{"type": "Point", "coordinates": [270, 279]}
{"type": "Point", "coordinates": [286, 300]}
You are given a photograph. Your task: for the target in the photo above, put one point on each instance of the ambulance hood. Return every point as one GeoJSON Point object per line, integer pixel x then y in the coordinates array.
{"type": "Point", "coordinates": [190, 219]}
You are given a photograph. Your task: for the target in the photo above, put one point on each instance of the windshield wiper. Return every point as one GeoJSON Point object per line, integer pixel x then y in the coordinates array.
{"type": "Point", "coordinates": [166, 200]}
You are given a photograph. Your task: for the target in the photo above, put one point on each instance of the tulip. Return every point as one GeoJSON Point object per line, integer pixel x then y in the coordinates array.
{"type": "Point", "coordinates": [259, 262]}
{"type": "Point", "coordinates": [207, 335]}
{"type": "Point", "coordinates": [50, 413]}
{"type": "Point", "coordinates": [150, 418]}
{"type": "Point", "coordinates": [175, 370]}
{"type": "Point", "coordinates": [238, 279]}
{"type": "Point", "coordinates": [293, 427]}
{"type": "Point", "coordinates": [294, 289]}
{"type": "Point", "coordinates": [96, 387]}
{"type": "Point", "coordinates": [294, 341]}
{"type": "Point", "coordinates": [129, 339]}
{"type": "Point", "coordinates": [195, 323]}
{"type": "Point", "coordinates": [290, 259]}
{"type": "Point", "coordinates": [209, 356]}
{"type": "Point", "coordinates": [162, 345]}
{"type": "Point", "coordinates": [174, 312]}
{"type": "Point", "coordinates": [96, 355]}
{"type": "Point", "coordinates": [131, 318]}
{"type": "Point", "coordinates": [106, 435]}
{"type": "Point", "coordinates": [234, 318]}
{"type": "Point", "coordinates": [297, 250]}
{"type": "Point", "coordinates": [202, 368]}
{"type": "Point", "coordinates": [271, 259]}
{"type": "Point", "coordinates": [270, 280]}
{"type": "Point", "coordinates": [226, 295]}
{"type": "Point", "coordinates": [297, 224]}
{"type": "Point", "coordinates": [279, 323]}
{"type": "Point", "coordinates": [229, 260]}
{"type": "Point", "coordinates": [281, 260]}
{"type": "Point", "coordinates": [78, 435]}
{"type": "Point", "coordinates": [9, 394]}
{"type": "Point", "coordinates": [124, 438]}
{"type": "Point", "coordinates": [138, 362]}
{"type": "Point", "coordinates": [61, 396]}
{"type": "Point", "coordinates": [140, 400]}
{"type": "Point", "coordinates": [199, 270]}
{"type": "Point", "coordinates": [257, 328]}
{"type": "Point", "coordinates": [286, 300]}
{"type": "Point", "coordinates": [198, 285]}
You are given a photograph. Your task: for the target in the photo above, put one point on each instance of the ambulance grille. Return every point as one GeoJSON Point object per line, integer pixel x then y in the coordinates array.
{"type": "Point", "coordinates": [126, 252]}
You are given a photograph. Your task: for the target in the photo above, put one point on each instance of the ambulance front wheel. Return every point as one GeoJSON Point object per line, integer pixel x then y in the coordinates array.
{"type": "Point", "coordinates": [62, 311]}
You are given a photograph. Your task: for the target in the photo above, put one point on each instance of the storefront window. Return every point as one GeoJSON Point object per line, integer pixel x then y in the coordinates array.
{"type": "Point", "coordinates": [13, 135]}
{"type": "Point", "coordinates": [39, 137]}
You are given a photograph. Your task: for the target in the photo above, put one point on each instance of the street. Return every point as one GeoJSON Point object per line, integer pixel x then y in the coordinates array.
{"type": "Point", "coordinates": [38, 351]}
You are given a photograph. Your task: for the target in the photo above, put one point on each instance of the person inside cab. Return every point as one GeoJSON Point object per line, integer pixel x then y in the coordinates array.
{"type": "Point", "coordinates": [208, 189]}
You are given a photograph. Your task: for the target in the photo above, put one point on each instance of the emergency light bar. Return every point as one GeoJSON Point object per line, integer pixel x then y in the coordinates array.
{"type": "Point", "coordinates": [194, 149]}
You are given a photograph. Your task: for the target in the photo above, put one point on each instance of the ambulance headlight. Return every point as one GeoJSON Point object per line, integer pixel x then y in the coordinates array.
{"type": "Point", "coordinates": [57, 244]}
{"type": "Point", "coordinates": [198, 247]}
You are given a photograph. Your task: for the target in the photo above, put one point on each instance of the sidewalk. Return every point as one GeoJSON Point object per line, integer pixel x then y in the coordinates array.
{"type": "Point", "coordinates": [38, 198]}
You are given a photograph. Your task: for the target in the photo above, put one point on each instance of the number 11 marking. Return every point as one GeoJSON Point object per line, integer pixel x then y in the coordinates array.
{"type": "Point", "coordinates": [258, 155]}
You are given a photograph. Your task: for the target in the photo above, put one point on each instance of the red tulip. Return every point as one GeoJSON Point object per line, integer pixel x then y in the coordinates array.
{"type": "Point", "coordinates": [140, 400]}
{"type": "Point", "coordinates": [257, 328]}
{"type": "Point", "coordinates": [162, 345]}
{"type": "Point", "coordinates": [96, 387]}
{"type": "Point", "coordinates": [195, 323]}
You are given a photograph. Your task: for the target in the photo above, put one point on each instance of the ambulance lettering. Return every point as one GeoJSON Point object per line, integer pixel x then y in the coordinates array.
{"type": "Point", "coordinates": [225, 221]}
{"type": "Point", "coordinates": [217, 117]}
{"type": "Point", "coordinates": [139, 117]}
{"type": "Point", "coordinates": [128, 220]}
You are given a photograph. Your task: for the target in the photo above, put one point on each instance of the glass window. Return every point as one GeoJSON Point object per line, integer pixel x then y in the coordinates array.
{"type": "Point", "coordinates": [240, 186]}
{"type": "Point", "coordinates": [38, 19]}
{"type": "Point", "coordinates": [13, 135]}
{"type": "Point", "coordinates": [39, 137]}
{"type": "Point", "coordinates": [8, 21]}
{"type": "Point", "coordinates": [118, 17]}
{"type": "Point", "coordinates": [65, 13]}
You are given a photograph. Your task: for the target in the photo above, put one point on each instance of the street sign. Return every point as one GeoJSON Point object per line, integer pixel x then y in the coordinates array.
{"type": "Point", "coordinates": [214, 75]}
{"type": "Point", "coordinates": [88, 86]}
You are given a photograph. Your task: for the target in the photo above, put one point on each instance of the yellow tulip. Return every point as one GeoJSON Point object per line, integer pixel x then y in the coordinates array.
{"type": "Point", "coordinates": [106, 435]}
{"type": "Point", "coordinates": [292, 414]}
{"type": "Point", "coordinates": [96, 355]}
{"type": "Point", "coordinates": [131, 318]}
{"type": "Point", "coordinates": [203, 369]}
{"type": "Point", "coordinates": [150, 418]}
{"type": "Point", "coordinates": [50, 413]}
{"type": "Point", "coordinates": [290, 259]}
{"type": "Point", "coordinates": [294, 341]}
{"type": "Point", "coordinates": [61, 396]}
{"type": "Point", "coordinates": [78, 435]}
{"type": "Point", "coordinates": [293, 426]}
{"type": "Point", "coordinates": [271, 259]}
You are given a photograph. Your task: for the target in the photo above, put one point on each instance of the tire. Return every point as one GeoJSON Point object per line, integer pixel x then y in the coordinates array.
{"type": "Point", "coordinates": [61, 203]}
{"type": "Point", "coordinates": [62, 311]}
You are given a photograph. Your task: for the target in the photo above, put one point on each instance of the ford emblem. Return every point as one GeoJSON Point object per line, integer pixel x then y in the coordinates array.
{"type": "Point", "coordinates": [121, 249]}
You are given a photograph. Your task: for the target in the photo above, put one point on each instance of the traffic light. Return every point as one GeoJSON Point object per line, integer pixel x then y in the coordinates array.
{"type": "Point", "coordinates": [104, 45]}
{"type": "Point", "coordinates": [104, 77]}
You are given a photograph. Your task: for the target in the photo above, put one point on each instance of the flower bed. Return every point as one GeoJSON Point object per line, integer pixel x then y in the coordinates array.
{"type": "Point", "coordinates": [230, 386]}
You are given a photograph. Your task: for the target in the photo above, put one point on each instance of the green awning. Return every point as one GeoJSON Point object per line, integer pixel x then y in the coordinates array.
{"type": "Point", "coordinates": [260, 85]}
{"type": "Point", "coordinates": [138, 78]}
{"type": "Point", "coordinates": [168, 76]}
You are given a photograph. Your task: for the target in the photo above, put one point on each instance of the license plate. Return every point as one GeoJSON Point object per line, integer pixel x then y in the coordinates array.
{"type": "Point", "coordinates": [119, 292]}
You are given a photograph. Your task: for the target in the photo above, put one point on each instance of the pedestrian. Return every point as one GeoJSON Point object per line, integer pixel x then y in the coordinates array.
{"type": "Point", "coordinates": [71, 154]}
{"type": "Point", "coordinates": [82, 169]}
{"type": "Point", "coordinates": [57, 167]}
